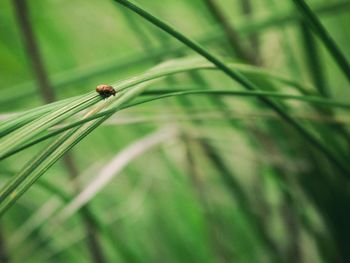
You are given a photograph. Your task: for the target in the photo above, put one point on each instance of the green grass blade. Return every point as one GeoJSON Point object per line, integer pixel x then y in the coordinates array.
{"type": "Point", "coordinates": [185, 65]}
{"type": "Point", "coordinates": [322, 33]}
{"type": "Point", "coordinates": [32, 129]}
{"type": "Point", "coordinates": [121, 63]}
{"type": "Point", "coordinates": [21, 119]}
{"type": "Point", "coordinates": [174, 93]}
{"type": "Point", "coordinates": [162, 70]}
{"type": "Point", "coordinates": [32, 171]}
{"type": "Point", "coordinates": [240, 79]}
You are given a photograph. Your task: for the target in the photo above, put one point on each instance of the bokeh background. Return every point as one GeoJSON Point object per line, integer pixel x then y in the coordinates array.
{"type": "Point", "coordinates": [237, 184]}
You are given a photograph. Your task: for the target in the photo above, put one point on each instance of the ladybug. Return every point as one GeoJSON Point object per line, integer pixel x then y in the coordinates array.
{"type": "Point", "coordinates": [105, 91]}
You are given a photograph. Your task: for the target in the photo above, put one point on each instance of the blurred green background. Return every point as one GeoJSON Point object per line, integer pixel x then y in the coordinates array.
{"type": "Point", "coordinates": [237, 185]}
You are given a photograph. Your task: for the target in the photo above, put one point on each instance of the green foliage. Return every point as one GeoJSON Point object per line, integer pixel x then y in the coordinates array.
{"type": "Point", "coordinates": [201, 156]}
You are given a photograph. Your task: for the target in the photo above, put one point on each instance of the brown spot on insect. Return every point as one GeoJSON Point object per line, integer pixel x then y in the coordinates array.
{"type": "Point", "coordinates": [105, 90]}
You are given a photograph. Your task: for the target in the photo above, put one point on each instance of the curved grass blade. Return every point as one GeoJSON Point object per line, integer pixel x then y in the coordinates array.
{"type": "Point", "coordinates": [185, 65]}
{"type": "Point", "coordinates": [32, 171]}
{"type": "Point", "coordinates": [23, 118]}
{"type": "Point", "coordinates": [32, 129]}
{"type": "Point", "coordinates": [344, 169]}
{"type": "Point", "coordinates": [171, 93]}
{"type": "Point", "coordinates": [120, 63]}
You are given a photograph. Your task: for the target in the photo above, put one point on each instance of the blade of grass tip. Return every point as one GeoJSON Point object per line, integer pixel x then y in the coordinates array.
{"type": "Point", "coordinates": [240, 79]}
{"type": "Point", "coordinates": [315, 24]}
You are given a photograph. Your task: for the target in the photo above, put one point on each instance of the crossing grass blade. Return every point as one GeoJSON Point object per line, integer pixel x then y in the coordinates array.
{"type": "Point", "coordinates": [165, 69]}
{"type": "Point", "coordinates": [32, 171]}
{"type": "Point", "coordinates": [315, 24]}
{"type": "Point", "coordinates": [236, 76]}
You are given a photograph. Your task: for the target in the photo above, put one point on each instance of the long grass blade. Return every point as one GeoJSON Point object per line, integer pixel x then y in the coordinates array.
{"type": "Point", "coordinates": [240, 79]}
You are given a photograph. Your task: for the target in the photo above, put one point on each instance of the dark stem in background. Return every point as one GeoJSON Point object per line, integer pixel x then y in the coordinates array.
{"type": "Point", "coordinates": [196, 176]}
{"type": "Point", "coordinates": [313, 58]}
{"type": "Point", "coordinates": [337, 161]}
{"type": "Point", "coordinates": [285, 41]}
{"type": "Point", "coordinates": [292, 251]}
{"type": "Point", "coordinates": [242, 199]}
{"type": "Point", "coordinates": [317, 73]}
{"type": "Point", "coordinates": [122, 64]}
{"type": "Point", "coordinates": [145, 41]}
{"type": "Point", "coordinates": [209, 151]}
{"type": "Point", "coordinates": [3, 252]}
{"type": "Point", "coordinates": [225, 171]}
{"type": "Point", "coordinates": [203, 52]}
{"type": "Point", "coordinates": [33, 50]}
{"type": "Point", "coordinates": [312, 20]}
{"type": "Point", "coordinates": [247, 10]}
{"type": "Point", "coordinates": [234, 188]}
{"type": "Point", "coordinates": [231, 34]}
{"type": "Point", "coordinates": [47, 93]}
{"type": "Point", "coordinates": [90, 226]}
